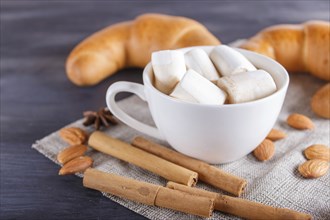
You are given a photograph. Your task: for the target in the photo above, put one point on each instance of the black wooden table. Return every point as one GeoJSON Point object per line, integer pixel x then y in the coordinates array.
{"type": "Point", "coordinates": [37, 98]}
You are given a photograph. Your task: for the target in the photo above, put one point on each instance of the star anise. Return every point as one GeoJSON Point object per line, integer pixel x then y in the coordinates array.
{"type": "Point", "coordinates": [101, 118]}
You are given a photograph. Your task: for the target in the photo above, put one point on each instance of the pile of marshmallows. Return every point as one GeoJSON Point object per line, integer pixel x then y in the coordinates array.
{"type": "Point", "coordinates": [224, 76]}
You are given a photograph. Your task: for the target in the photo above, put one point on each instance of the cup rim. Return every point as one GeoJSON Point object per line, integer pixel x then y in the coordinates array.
{"type": "Point", "coordinates": [147, 82]}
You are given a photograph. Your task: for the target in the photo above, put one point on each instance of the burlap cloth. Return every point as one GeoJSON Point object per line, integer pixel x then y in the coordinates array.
{"type": "Point", "coordinates": [275, 182]}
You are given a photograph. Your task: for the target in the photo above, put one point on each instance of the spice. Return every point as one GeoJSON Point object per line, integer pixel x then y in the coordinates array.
{"type": "Point", "coordinates": [101, 118]}
{"type": "Point", "coordinates": [242, 207]}
{"type": "Point", "coordinates": [148, 193]}
{"type": "Point", "coordinates": [207, 173]}
{"type": "Point", "coordinates": [126, 152]}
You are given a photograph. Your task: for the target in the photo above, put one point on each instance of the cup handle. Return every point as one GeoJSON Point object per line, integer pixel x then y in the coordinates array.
{"type": "Point", "coordinates": [138, 90]}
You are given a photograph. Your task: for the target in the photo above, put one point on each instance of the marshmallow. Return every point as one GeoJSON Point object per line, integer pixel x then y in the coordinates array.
{"type": "Point", "coordinates": [229, 61]}
{"type": "Point", "coordinates": [198, 60]}
{"type": "Point", "coordinates": [202, 89]}
{"type": "Point", "coordinates": [169, 67]}
{"type": "Point", "coordinates": [247, 86]}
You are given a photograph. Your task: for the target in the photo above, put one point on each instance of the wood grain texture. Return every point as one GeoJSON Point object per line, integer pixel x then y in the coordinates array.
{"type": "Point", "coordinates": [37, 98]}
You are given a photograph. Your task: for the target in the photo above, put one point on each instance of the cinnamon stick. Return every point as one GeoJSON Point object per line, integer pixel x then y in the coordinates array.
{"type": "Point", "coordinates": [124, 151]}
{"type": "Point", "coordinates": [242, 207]}
{"type": "Point", "coordinates": [207, 173]}
{"type": "Point", "coordinates": [148, 193]}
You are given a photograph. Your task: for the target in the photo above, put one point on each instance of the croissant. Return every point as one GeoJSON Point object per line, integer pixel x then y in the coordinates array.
{"type": "Point", "coordinates": [130, 44]}
{"type": "Point", "coordinates": [299, 48]}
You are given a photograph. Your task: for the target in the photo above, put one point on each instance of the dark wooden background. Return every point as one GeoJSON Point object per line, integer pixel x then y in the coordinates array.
{"type": "Point", "coordinates": [37, 98]}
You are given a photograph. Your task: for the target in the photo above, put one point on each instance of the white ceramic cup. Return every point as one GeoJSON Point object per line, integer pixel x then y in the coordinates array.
{"type": "Point", "coordinates": [215, 134]}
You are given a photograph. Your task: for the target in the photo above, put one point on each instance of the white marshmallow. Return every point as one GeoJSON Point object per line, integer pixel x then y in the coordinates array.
{"type": "Point", "coordinates": [182, 94]}
{"type": "Point", "coordinates": [247, 86]}
{"type": "Point", "coordinates": [198, 60]}
{"type": "Point", "coordinates": [169, 68]}
{"type": "Point", "coordinates": [229, 61]}
{"type": "Point", "coordinates": [202, 89]}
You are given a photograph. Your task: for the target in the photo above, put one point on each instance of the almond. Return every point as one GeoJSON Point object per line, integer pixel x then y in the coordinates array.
{"type": "Point", "coordinates": [265, 150]}
{"type": "Point", "coordinates": [76, 165]}
{"type": "Point", "coordinates": [71, 152]}
{"type": "Point", "coordinates": [73, 135]}
{"type": "Point", "coordinates": [317, 151]}
{"type": "Point", "coordinates": [300, 121]}
{"type": "Point", "coordinates": [275, 135]}
{"type": "Point", "coordinates": [321, 101]}
{"type": "Point", "coordinates": [313, 168]}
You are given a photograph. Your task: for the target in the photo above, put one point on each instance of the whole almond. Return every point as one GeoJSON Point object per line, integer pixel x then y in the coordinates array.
{"type": "Point", "coordinates": [71, 152]}
{"type": "Point", "coordinates": [300, 121]}
{"type": "Point", "coordinates": [275, 135]}
{"type": "Point", "coordinates": [76, 165]}
{"type": "Point", "coordinates": [73, 135]}
{"type": "Point", "coordinates": [317, 151]}
{"type": "Point", "coordinates": [313, 168]}
{"type": "Point", "coordinates": [265, 150]}
{"type": "Point", "coordinates": [321, 101]}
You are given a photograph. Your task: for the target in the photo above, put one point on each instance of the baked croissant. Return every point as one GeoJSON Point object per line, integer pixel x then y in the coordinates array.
{"type": "Point", "coordinates": [130, 44]}
{"type": "Point", "coordinates": [299, 48]}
